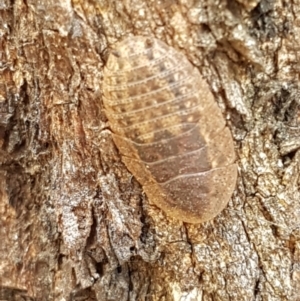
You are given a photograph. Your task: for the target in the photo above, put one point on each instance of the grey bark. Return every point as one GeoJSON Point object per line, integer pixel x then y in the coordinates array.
{"type": "Point", "coordinates": [75, 224]}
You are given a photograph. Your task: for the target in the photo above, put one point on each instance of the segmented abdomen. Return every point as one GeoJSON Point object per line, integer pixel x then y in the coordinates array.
{"type": "Point", "coordinates": [169, 130]}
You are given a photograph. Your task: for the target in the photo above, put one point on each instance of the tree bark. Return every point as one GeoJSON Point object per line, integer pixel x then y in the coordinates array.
{"type": "Point", "coordinates": [75, 224]}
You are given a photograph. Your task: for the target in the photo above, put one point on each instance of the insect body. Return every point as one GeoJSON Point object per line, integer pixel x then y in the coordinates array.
{"type": "Point", "coordinates": [169, 130]}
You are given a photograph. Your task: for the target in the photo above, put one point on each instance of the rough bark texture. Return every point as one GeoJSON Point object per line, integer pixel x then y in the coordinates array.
{"type": "Point", "coordinates": [75, 224]}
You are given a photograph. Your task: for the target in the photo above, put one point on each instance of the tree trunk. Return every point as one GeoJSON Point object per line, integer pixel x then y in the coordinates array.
{"type": "Point", "coordinates": [75, 224]}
